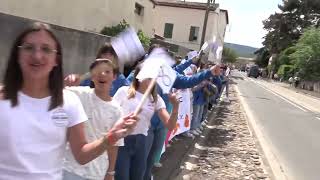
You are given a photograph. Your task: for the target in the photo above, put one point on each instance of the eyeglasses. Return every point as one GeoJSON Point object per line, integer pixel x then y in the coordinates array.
{"type": "Point", "coordinates": [29, 48]}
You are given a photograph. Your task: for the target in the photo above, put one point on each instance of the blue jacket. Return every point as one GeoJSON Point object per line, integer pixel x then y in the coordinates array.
{"type": "Point", "coordinates": [217, 81]}
{"type": "Point", "coordinates": [199, 97]}
{"type": "Point", "coordinates": [116, 84]}
{"type": "Point", "coordinates": [182, 66]}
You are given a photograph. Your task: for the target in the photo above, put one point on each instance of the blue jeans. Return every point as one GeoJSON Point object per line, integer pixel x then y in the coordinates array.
{"type": "Point", "coordinates": [196, 116]}
{"type": "Point", "coordinates": [131, 159]}
{"type": "Point", "coordinates": [225, 85]}
{"type": "Point", "coordinates": [205, 110]}
{"type": "Point", "coordinates": [155, 141]}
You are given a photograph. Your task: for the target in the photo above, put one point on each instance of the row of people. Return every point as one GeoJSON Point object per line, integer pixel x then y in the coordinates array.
{"type": "Point", "coordinates": [40, 115]}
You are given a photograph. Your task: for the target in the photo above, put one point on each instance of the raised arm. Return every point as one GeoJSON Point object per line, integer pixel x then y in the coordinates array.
{"type": "Point", "coordinates": [183, 82]}
{"type": "Point", "coordinates": [170, 120]}
{"type": "Point", "coordinates": [84, 152]}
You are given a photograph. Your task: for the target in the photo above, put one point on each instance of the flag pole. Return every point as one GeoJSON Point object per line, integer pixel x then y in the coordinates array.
{"type": "Point", "coordinates": [145, 96]}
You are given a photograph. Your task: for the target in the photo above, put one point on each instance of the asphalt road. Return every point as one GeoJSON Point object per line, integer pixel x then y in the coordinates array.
{"type": "Point", "coordinates": [293, 131]}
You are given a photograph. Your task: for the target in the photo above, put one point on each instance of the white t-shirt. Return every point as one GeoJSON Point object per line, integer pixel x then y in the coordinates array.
{"type": "Point", "coordinates": [33, 139]}
{"type": "Point", "coordinates": [129, 105]}
{"type": "Point", "coordinates": [102, 116]}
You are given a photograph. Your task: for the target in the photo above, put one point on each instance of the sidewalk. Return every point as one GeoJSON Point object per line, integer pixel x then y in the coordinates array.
{"type": "Point", "coordinates": [225, 151]}
{"type": "Point", "coordinates": [298, 90]}
{"type": "Point", "coordinates": [311, 103]}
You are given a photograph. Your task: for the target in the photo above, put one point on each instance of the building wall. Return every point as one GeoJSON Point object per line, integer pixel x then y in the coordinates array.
{"type": "Point", "coordinates": [94, 15]}
{"type": "Point", "coordinates": [71, 14]}
{"type": "Point", "coordinates": [79, 48]}
{"type": "Point", "coordinates": [124, 9]}
{"type": "Point", "coordinates": [83, 15]}
{"type": "Point", "coordinates": [183, 19]}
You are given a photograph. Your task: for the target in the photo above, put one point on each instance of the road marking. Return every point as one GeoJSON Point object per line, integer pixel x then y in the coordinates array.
{"type": "Point", "coordinates": [271, 155]}
{"type": "Point", "coordinates": [283, 98]}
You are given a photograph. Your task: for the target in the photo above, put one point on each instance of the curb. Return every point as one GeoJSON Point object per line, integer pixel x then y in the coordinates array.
{"type": "Point", "coordinates": [270, 161]}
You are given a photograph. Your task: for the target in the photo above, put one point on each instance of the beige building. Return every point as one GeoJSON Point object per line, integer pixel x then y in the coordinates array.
{"type": "Point", "coordinates": [181, 23]}
{"type": "Point", "coordinates": [177, 21]}
{"type": "Point", "coordinates": [84, 15]}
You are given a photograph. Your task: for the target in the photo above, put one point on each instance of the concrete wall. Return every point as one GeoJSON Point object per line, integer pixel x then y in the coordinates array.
{"type": "Point", "coordinates": [93, 15]}
{"type": "Point", "coordinates": [310, 86]}
{"type": "Point", "coordinates": [68, 13]}
{"type": "Point", "coordinates": [177, 49]}
{"type": "Point", "coordinates": [79, 48]}
{"type": "Point", "coordinates": [83, 15]}
{"type": "Point", "coordinates": [124, 9]}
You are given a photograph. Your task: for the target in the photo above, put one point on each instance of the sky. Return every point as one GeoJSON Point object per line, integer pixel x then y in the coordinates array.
{"type": "Point", "coordinates": [245, 19]}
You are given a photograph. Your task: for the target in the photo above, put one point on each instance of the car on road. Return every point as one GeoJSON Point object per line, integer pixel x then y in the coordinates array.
{"type": "Point", "coordinates": [253, 71]}
{"type": "Point", "coordinates": [243, 68]}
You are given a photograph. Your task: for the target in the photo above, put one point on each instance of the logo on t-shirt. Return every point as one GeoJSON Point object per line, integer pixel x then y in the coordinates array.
{"type": "Point", "coordinates": [60, 117]}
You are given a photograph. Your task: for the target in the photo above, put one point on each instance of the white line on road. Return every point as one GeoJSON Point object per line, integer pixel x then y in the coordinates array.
{"type": "Point", "coordinates": [288, 101]}
{"type": "Point", "coordinates": [278, 169]}
{"type": "Point", "coordinates": [276, 94]}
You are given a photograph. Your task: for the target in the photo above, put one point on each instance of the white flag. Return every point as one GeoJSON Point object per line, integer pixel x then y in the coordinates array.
{"type": "Point", "coordinates": [166, 78]}
{"type": "Point", "coordinates": [158, 65]}
{"type": "Point", "coordinates": [150, 68]}
{"type": "Point", "coordinates": [192, 54]}
{"type": "Point", "coordinates": [127, 47]}
{"type": "Point", "coordinates": [204, 46]}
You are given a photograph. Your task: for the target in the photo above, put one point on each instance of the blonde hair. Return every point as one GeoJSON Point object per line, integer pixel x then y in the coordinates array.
{"type": "Point", "coordinates": [135, 85]}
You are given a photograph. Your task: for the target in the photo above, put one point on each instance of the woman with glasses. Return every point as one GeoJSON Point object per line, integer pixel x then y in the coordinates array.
{"type": "Point", "coordinates": [38, 117]}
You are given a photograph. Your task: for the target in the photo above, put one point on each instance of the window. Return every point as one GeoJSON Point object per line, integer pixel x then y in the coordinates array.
{"type": "Point", "coordinates": [194, 33]}
{"type": "Point", "coordinates": [139, 9]}
{"type": "Point", "coordinates": [168, 28]}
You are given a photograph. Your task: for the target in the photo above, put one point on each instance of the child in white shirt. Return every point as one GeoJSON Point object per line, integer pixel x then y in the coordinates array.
{"type": "Point", "coordinates": [38, 117]}
{"type": "Point", "coordinates": [131, 160]}
{"type": "Point", "coordinates": [102, 113]}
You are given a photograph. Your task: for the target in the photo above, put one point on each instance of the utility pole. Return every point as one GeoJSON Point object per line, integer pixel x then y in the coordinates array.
{"type": "Point", "coordinates": [204, 28]}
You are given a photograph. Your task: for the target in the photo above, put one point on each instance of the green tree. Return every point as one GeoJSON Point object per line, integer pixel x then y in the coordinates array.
{"type": "Point", "coordinates": [284, 57]}
{"type": "Point", "coordinates": [306, 58]}
{"type": "Point", "coordinates": [145, 40]}
{"type": "Point", "coordinates": [262, 57]}
{"type": "Point", "coordinates": [285, 71]}
{"type": "Point", "coordinates": [115, 30]}
{"type": "Point", "coordinates": [285, 28]}
{"type": "Point", "coordinates": [229, 55]}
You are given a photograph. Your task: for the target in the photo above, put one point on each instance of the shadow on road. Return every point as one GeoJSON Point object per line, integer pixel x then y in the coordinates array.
{"type": "Point", "coordinates": [237, 77]}
{"type": "Point", "coordinates": [216, 135]}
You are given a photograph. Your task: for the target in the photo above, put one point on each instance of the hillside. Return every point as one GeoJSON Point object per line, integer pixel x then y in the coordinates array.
{"type": "Point", "coordinates": [241, 50]}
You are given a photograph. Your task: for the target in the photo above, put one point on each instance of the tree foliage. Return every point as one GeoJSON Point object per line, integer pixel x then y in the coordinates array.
{"type": "Point", "coordinates": [285, 71]}
{"type": "Point", "coordinates": [115, 30]}
{"type": "Point", "coordinates": [262, 57]}
{"type": "Point", "coordinates": [145, 40]}
{"type": "Point", "coordinates": [229, 55]}
{"type": "Point", "coordinates": [306, 58]}
{"type": "Point", "coordinates": [285, 28]}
